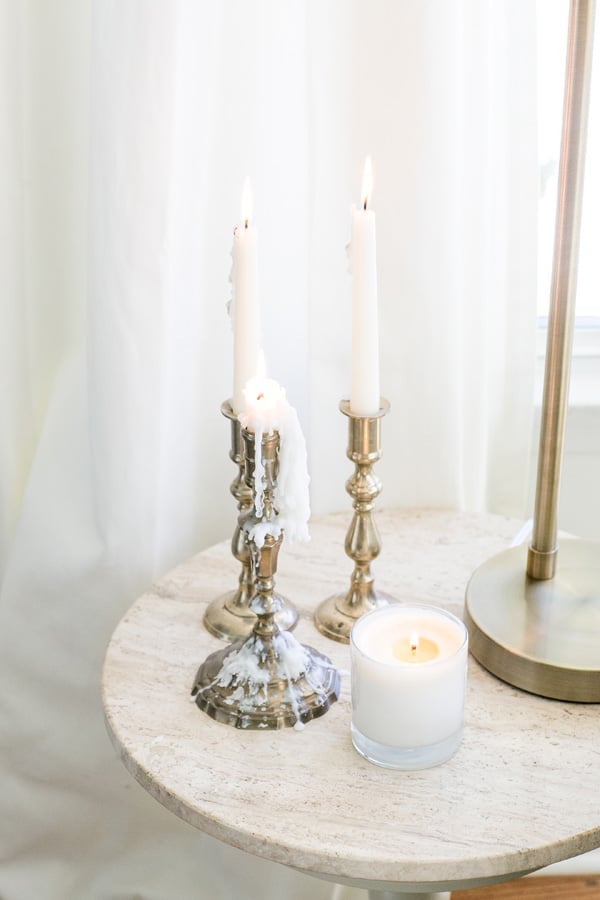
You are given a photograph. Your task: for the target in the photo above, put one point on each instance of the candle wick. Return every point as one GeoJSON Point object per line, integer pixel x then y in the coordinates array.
{"type": "Point", "coordinates": [260, 396]}
{"type": "Point", "coordinates": [365, 203]}
{"type": "Point", "coordinates": [245, 223]}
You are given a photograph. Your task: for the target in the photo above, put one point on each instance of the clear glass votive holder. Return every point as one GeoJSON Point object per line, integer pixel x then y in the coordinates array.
{"type": "Point", "coordinates": [408, 677]}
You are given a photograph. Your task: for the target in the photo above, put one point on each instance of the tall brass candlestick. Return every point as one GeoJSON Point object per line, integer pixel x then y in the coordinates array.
{"type": "Point", "coordinates": [534, 615]}
{"type": "Point", "coordinates": [269, 680]}
{"type": "Point", "coordinates": [336, 615]}
{"type": "Point", "coordinates": [229, 616]}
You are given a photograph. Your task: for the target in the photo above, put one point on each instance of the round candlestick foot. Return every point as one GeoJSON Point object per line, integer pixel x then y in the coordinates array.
{"type": "Point", "coordinates": [542, 636]}
{"type": "Point", "coordinates": [229, 617]}
{"type": "Point", "coordinates": [258, 686]}
{"type": "Point", "coordinates": [335, 616]}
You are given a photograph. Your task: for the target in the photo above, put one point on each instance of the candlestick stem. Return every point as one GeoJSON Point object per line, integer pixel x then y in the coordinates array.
{"type": "Point", "coordinates": [267, 680]}
{"type": "Point", "coordinates": [229, 616]}
{"type": "Point", "coordinates": [336, 615]}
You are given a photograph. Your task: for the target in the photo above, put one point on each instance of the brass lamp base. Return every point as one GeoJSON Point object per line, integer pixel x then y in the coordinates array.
{"type": "Point", "coordinates": [542, 636]}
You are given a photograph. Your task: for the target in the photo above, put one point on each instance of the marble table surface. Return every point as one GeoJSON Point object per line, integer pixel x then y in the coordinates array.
{"type": "Point", "coordinates": [523, 790]}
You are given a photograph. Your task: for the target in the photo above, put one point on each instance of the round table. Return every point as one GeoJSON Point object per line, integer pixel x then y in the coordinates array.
{"type": "Point", "coordinates": [521, 792]}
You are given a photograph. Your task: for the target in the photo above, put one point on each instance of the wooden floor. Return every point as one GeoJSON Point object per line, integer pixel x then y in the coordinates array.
{"type": "Point", "coordinates": [572, 887]}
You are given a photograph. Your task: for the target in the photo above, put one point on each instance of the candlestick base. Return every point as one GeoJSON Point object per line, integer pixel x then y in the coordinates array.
{"type": "Point", "coordinates": [542, 636]}
{"type": "Point", "coordinates": [335, 616]}
{"type": "Point", "coordinates": [248, 687]}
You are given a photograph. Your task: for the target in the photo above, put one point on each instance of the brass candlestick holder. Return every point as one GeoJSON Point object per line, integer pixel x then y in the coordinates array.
{"type": "Point", "coordinates": [269, 680]}
{"type": "Point", "coordinates": [229, 616]}
{"type": "Point", "coordinates": [336, 615]}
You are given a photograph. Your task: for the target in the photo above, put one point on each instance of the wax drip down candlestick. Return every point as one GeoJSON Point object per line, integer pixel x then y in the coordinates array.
{"type": "Point", "coordinates": [229, 616]}
{"type": "Point", "coordinates": [269, 680]}
{"type": "Point", "coordinates": [267, 410]}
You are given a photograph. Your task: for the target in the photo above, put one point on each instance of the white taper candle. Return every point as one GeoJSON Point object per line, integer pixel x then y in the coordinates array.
{"type": "Point", "coordinates": [245, 310]}
{"type": "Point", "coordinates": [364, 393]}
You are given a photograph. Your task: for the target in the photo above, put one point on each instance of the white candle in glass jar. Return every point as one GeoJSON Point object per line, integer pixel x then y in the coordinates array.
{"type": "Point", "coordinates": [408, 685]}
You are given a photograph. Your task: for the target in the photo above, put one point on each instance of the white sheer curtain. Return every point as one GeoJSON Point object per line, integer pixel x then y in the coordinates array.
{"type": "Point", "coordinates": [127, 130]}
{"type": "Point", "coordinates": [443, 93]}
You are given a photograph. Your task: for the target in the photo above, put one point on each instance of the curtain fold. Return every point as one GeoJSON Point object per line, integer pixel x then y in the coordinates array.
{"type": "Point", "coordinates": [128, 130]}
{"type": "Point", "coordinates": [443, 97]}
{"type": "Point", "coordinates": [17, 436]}
{"type": "Point", "coordinates": [131, 120]}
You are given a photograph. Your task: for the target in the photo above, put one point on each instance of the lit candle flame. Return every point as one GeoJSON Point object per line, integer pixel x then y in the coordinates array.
{"type": "Point", "coordinates": [246, 204]}
{"type": "Point", "coordinates": [414, 642]}
{"type": "Point", "coordinates": [367, 182]}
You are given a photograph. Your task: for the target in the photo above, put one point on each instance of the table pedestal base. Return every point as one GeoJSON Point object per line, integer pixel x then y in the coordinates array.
{"type": "Point", "coordinates": [400, 895]}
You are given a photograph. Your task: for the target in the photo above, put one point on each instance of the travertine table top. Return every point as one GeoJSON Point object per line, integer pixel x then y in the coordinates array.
{"type": "Point", "coordinates": [523, 790]}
